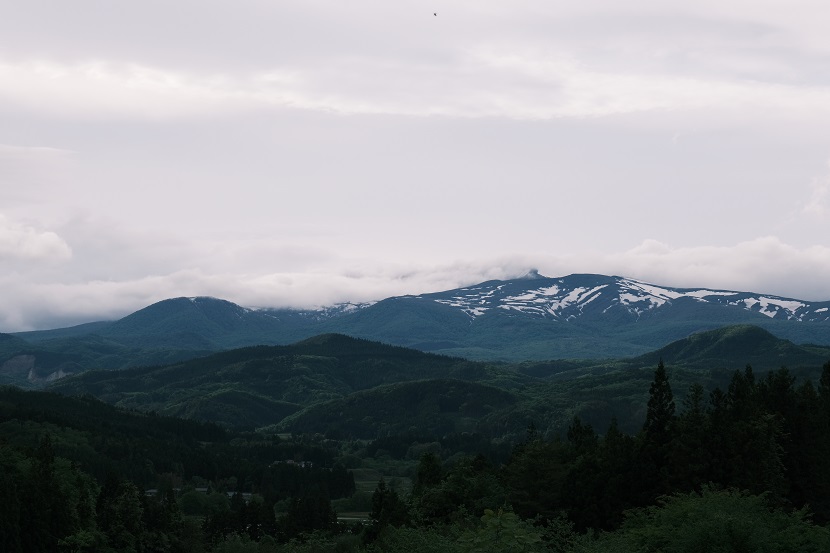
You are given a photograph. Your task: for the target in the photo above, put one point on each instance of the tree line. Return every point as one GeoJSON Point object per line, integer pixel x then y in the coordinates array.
{"type": "Point", "coordinates": [743, 468]}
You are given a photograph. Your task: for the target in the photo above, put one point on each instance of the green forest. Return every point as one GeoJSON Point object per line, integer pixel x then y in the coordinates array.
{"type": "Point", "coordinates": [739, 467]}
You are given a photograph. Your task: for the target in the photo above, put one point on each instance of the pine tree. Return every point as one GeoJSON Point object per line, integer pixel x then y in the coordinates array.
{"type": "Point", "coordinates": [660, 415]}
{"type": "Point", "coordinates": [657, 434]}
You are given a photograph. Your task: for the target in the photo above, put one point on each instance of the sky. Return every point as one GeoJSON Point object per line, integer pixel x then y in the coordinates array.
{"type": "Point", "coordinates": [281, 153]}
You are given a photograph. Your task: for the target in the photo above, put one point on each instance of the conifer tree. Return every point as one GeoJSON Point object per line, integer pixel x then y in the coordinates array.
{"type": "Point", "coordinates": [653, 469]}
{"type": "Point", "coordinates": [660, 414]}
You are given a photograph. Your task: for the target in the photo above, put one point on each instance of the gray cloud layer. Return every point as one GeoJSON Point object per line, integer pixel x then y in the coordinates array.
{"type": "Point", "coordinates": [303, 153]}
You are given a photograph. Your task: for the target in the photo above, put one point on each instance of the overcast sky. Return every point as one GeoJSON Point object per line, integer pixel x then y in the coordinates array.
{"type": "Point", "coordinates": [302, 153]}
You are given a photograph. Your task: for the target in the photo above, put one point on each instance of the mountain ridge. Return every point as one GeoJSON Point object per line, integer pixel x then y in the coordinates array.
{"type": "Point", "coordinates": [359, 384]}
{"type": "Point", "coordinates": [532, 317]}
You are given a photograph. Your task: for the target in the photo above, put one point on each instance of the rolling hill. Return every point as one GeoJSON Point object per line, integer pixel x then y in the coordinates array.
{"type": "Point", "coordinates": [358, 388]}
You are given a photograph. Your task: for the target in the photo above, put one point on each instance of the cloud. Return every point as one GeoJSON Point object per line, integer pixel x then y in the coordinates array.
{"type": "Point", "coordinates": [510, 82]}
{"type": "Point", "coordinates": [220, 156]}
{"type": "Point", "coordinates": [764, 265]}
{"type": "Point", "coordinates": [100, 89]}
{"type": "Point", "coordinates": [533, 60]}
{"type": "Point", "coordinates": [21, 242]}
{"type": "Point", "coordinates": [9, 152]}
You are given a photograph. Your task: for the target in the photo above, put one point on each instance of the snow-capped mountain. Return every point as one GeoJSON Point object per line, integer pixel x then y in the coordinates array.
{"type": "Point", "coordinates": [533, 317]}
{"type": "Point", "coordinates": [571, 297]}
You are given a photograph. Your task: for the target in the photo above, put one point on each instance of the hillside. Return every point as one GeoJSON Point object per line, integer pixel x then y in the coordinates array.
{"type": "Point", "coordinates": [35, 364]}
{"type": "Point", "coordinates": [746, 344]}
{"type": "Point", "coordinates": [24, 364]}
{"type": "Point", "coordinates": [433, 407]}
{"type": "Point", "coordinates": [354, 387]}
{"type": "Point", "coordinates": [257, 386]}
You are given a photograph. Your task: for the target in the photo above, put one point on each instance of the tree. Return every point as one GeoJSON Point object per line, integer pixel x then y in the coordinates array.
{"type": "Point", "coordinates": [502, 531]}
{"type": "Point", "coordinates": [660, 414]}
{"type": "Point", "coordinates": [120, 515]}
{"type": "Point", "coordinates": [657, 435]}
{"type": "Point", "coordinates": [582, 437]}
{"type": "Point", "coordinates": [427, 474]}
{"type": "Point", "coordinates": [726, 521]}
{"type": "Point", "coordinates": [534, 478]}
{"type": "Point", "coordinates": [309, 512]}
{"type": "Point", "coordinates": [9, 510]}
{"type": "Point", "coordinates": [387, 510]}
{"type": "Point", "coordinates": [690, 457]}
{"type": "Point", "coordinates": [387, 507]}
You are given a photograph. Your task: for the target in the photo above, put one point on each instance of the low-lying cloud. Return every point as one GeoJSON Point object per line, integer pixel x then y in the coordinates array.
{"type": "Point", "coordinates": [765, 265]}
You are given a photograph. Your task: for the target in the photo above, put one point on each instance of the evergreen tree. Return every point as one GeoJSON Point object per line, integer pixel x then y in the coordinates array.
{"type": "Point", "coordinates": [121, 515]}
{"type": "Point", "coordinates": [534, 479]}
{"type": "Point", "coordinates": [427, 474]}
{"type": "Point", "coordinates": [582, 437]}
{"type": "Point", "coordinates": [657, 434]}
{"type": "Point", "coordinates": [690, 457]}
{"type": "Point", "coordinates": [824, 387]}
{"type": "Point", "coordinates": [9, 510]}
{"type": "Point", "coordinates": [387, 509]}
{"type": "Point", "coordinates": [660, 414]}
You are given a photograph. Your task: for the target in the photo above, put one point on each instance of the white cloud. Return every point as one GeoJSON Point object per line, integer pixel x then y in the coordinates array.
{"type": "Point", "coordinates": [100, 89]}
{"type": "Point", "coordinates": [9, 152]}
{"type": "Point", "coordinates": [213, 141]}
{"type": "Point", "coordinates": [507, 82]}
{"type": "Point", "coordinates": [526, 60]}
{"type": "Point", "coordinates": [765, 265]}
{"type": "Point", "coordinates": [22, 242]}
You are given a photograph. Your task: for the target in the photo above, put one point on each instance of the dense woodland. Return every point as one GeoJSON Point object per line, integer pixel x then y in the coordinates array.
{"type": "Point", "coordinates": [743, 468]}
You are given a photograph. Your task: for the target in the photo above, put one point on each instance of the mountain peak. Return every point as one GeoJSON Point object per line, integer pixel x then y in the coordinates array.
{"type": "Point", "coordinates": [735, 345]}
{"type": "Point", "coordinates": [532, 274]}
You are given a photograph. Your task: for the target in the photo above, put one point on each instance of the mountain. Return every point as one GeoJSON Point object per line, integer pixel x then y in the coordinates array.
{"type": "Point", "coordinates": [166, 332]}
{"type": "Point", "coordinates": [583, 295]}
{"type": "Point", "coordinates": [726, 348]}
{"type": "Point", "coordinates": [35, 364]}
{"type": "Point", "coordinates": [198, 323]}
{"type": "Point", "coordinates": [352, 387]}
{"type": "Point", "coordinates": [747, 344]}
{"type": "Point", "coordinates": [24, 364]}
{"type": "Point", "coordinates": [529, 318]}
{"type": "Point", "coordinates": [578, 316]}
{"type": "Point", "coordinates": [260, 385]}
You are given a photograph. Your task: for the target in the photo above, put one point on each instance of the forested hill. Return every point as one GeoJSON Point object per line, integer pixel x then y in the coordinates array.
{"type": "Point", "coordinates": [335, 384]}
{"type": "Point", "coordinates": [740, 344]}
{"type": "Point", "coordinates": [73, 475]}
{"type": "Point", "coordinates": [741, 469]}
{"type": "Point", "coordinates": [251, 387]}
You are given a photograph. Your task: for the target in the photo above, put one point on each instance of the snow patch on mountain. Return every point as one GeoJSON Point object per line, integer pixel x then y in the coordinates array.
{"type": "Point", "coordinates": [568, 297]}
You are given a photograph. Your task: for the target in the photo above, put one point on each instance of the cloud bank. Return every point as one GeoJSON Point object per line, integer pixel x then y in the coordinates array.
{"type": "Point", "coordinates": [303, 153]}
{"type": "Point", "coordinates": [483, 82]}
{"type": "Point", "coordinates": [766, 265]}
